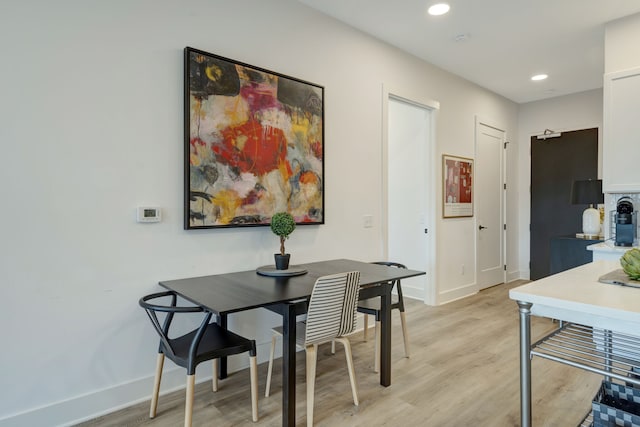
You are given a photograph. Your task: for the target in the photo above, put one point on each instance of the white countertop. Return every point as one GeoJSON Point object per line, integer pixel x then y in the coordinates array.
{"type": "Point", "coordinates": [576, 296]}
{"type": "Point", "coordinates": [610, 247]}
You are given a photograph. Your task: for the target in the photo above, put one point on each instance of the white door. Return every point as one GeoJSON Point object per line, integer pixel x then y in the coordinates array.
{"type": "Point", "coordinates": [489, 202]}
{"type": "Point", "coordinates": [408, 171]}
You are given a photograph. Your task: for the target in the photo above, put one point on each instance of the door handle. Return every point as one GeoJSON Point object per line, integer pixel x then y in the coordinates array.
{"type": "Point", "coordinates": [481, 228]}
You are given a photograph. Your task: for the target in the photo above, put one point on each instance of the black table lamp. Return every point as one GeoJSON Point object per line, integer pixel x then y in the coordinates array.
{"type": "Point", "coordinates": [588, 192]}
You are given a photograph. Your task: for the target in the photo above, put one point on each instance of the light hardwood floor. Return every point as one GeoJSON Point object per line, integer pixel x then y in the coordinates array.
{"type": "Point", "coordinates": [463, 371]}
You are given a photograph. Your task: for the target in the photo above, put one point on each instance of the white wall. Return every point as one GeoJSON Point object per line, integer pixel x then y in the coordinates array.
{"type": "Point", "coordinates": [621, 47]}
{"type": "Point", "coordinates": [91, 110]}
{"type": "Point", "coordinates": [564, 113]}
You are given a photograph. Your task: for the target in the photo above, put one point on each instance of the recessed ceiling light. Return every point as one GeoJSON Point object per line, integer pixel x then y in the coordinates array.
{"type": "Point", "coordinates": [438, 9]}
{"type": "Point", "coordinates": [539, 77]}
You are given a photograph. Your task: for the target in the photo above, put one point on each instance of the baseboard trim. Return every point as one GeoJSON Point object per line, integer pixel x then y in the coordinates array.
{"type": "Point", "coordinates": [102, 402]}
{"type": "Point", "coordinates": [413, 292]}
{"type": "Point", "coordinates": [515, 275]}
{"type": "Point", "coordinates": [457, 293]}
{"type": "Point", "coordinates": [92, 405]}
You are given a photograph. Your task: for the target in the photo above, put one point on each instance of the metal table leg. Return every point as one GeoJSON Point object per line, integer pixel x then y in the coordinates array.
{"type": "Point", "coordinates": [385, 336]}
{"type": "Point", "coordinates": [289, 365]}
{"type": "Point", "coordinates": [222, 365]}
{"type": "Point", "coordinates": [525, 363]}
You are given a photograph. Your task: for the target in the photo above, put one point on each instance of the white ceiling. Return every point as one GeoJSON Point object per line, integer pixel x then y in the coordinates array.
{"type": "Point", "coordinates": [507, 41]}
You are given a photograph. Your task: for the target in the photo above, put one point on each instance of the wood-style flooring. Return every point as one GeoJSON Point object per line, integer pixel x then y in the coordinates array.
{"type": "Point", "coordinates": [463, 371]}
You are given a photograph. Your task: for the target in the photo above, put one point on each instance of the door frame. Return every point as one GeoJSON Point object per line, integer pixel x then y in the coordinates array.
{"type": "Point", "coordinates": [479, 120]}
{"type": "Point", "coordinates": [429, 294]}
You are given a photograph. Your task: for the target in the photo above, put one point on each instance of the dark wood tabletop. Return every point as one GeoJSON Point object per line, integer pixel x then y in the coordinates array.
{"type": "Point", "coordinates": [245, 290]}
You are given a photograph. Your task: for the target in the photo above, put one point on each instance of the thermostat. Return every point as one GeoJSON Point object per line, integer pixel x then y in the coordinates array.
{"type": "Point", "coordinates": [148, 214]}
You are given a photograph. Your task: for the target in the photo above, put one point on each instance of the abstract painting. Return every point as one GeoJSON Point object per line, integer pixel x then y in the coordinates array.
{"type": "Point", "coordinates": [457, 177]}
{"type": "Point", "coordinates": [254, 144]}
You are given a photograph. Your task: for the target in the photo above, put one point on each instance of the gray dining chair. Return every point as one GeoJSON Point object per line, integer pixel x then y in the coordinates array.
{"type": "Point", "coordinates": [331, 316]}
{"type": "Point", "coordinates": [208, 342]}
{"type": "Point", "coordinates": [373, 307]}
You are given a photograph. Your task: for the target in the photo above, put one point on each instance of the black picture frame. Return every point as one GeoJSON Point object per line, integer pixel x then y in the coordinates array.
{"type": "Point", "coordinates": [253, 144]}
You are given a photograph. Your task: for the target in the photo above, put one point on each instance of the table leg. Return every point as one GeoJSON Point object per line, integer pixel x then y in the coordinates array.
{"type": "Point", "coordinates": [385, 337]}
{"type": "Point", "coordinates": [222, 369]}
{"type": "Point", "coordinates": [525, 363]}
{"type": "Point", "coordinates": [289, 365]}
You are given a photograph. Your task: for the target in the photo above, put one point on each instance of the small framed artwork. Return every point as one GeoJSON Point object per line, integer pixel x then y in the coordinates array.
{"type": "Point", "coordinates": [253, 144]}
{"type": "Point", "coordinates": [457, 191]}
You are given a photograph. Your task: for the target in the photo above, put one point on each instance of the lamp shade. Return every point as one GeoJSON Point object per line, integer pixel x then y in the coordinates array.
{"type": "Point", "coordinates": [587, 192]}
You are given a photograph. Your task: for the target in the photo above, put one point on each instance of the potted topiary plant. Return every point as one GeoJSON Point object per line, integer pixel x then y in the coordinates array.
{"type": "Point", "coordinates": [282, 225]}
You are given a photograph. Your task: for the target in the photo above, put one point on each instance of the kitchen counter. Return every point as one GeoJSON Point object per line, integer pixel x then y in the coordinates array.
{"type": "Point", "coordinates": [576, 296]}
{"type": "Point", "coordinates": [608, 251]}
{"type": "Point", "coordinates": [607, 316]}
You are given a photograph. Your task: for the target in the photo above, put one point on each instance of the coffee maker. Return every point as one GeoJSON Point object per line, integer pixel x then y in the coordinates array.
{"type": "Point", "coordinates": [625, 222]}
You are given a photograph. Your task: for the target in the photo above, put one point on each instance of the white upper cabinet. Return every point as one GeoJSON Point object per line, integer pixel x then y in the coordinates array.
{"type": "Point", "coordinates": [621, 146]}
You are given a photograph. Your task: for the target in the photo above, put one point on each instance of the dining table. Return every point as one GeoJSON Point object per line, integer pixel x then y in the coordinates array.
{"type": "Point", "coordinates": [288, 295]}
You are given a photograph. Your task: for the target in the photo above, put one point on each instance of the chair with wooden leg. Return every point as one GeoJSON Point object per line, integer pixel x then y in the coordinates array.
{"type": "Point", "coordinates": [331, 316]}
{"type": "Point", "coordinates": [372, 307]}
{"type": "Point", "coordinates": [208, 342]}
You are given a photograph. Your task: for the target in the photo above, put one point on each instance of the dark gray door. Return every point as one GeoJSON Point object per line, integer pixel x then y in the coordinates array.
{"type": "Point", "coordinates": [555, 164]}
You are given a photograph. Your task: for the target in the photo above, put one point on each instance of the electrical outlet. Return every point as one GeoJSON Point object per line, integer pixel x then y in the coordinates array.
{"type": "Point", "coordinates": [462, 269]}
{"type": "Point", "coordinates": [367, 221]}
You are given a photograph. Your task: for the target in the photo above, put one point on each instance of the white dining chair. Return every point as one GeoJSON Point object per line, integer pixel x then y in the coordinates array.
{"type": "Point", "coordinates": [331, 316]}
